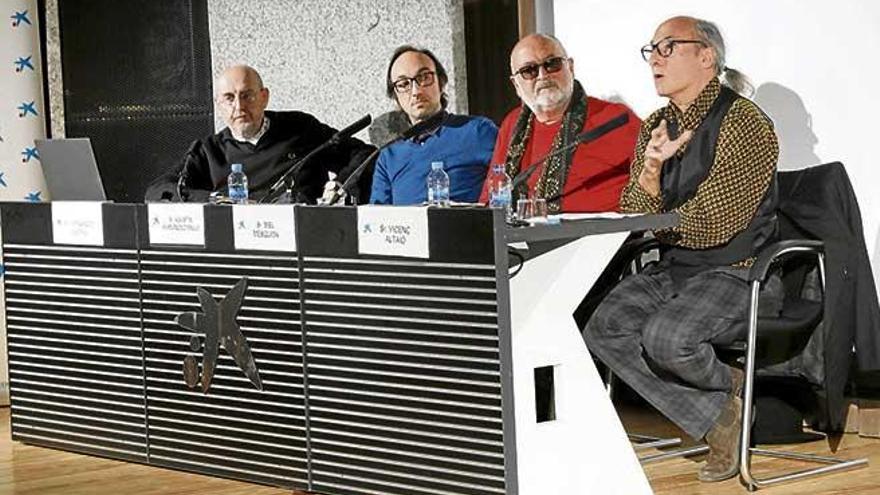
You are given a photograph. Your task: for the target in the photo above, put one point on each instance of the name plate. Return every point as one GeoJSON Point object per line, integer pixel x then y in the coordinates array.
{"type": "Point", "coordinates": [393, 230]}
{"type": "Point", "coordinates": [78, 222]}
{"type": "Point", "coordinates": [264, 227]}
{"type": "Point", "coordinates": [176, 223]}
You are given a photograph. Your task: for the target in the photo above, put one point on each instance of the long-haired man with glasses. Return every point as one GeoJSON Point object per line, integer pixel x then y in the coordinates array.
{"type": "Point", "coordinates": [416, 81]}
{"type": "Point", "coordinates": [554, 110]}
{"type": "Point", "coordinates": [709, 155]}
{"type": "Point", "coordinates": [267, 143]}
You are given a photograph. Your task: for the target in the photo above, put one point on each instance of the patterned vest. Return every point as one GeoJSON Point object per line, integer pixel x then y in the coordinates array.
{"type": "Point", "coordinates": [679, 180]}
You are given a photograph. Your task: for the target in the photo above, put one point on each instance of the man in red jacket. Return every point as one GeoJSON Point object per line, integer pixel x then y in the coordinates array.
{"type": "Point", "coordinates": [555, 109]}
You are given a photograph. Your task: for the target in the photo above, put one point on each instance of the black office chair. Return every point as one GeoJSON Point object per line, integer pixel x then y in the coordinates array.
{"type": "Point", "coordinates": [814, 202]}
{"type": "Point", "coordinates": [791, 330]}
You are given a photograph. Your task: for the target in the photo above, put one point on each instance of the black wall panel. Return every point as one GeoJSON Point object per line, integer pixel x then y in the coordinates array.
{"type": "Point", "coordinates": [137, 81]}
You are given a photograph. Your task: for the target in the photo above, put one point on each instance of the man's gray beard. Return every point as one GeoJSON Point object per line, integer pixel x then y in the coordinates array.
{"type": "Point", "coordinates": [246, 133]}
{"type": "Point", "coordinates": [547, 101]}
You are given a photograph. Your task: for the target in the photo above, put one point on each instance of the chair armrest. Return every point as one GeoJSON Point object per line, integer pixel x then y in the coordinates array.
{"type": "Point", "coordinates": [636, 247]}
{"type": "Point", "coordinates": [773, 252]}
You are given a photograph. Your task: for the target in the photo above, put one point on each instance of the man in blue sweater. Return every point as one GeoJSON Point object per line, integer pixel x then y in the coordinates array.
{"type": "Point", "coordinates": [416, 81]}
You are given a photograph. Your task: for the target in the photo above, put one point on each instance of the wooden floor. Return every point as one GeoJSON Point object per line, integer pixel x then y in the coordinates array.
{"type": "Point", "coordinates": [29, 470]}
{"type": "Point", "coordinates": [678, 476]}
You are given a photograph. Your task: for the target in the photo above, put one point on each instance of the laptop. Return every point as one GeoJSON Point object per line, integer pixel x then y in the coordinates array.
{"type": "Point", "coordinates": [70, 169]}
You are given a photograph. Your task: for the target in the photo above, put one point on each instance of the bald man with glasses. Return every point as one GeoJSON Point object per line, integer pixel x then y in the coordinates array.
{"type": "Point", "coordinates": [555, 109]}
{"type": "Point", "coordinates": [416, 82]}
{"type": "Point", "coordinates": [267, 143]}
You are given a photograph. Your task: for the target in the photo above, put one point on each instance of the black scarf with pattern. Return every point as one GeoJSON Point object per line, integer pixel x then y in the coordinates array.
{"type": "Point", "coordinates": [555, 170]}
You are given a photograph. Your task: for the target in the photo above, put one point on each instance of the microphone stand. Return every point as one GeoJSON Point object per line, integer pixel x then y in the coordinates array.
{"type": "Point", "coordinates": [296, 167]}
{"type": "Point", "coordinates": [525, 174]}
{"type": "Point", "coordinates": [181, 185]}
{"type": "Point", "coordinates": [183, 176]}
{"type": "Point", "coordinates": [414, 130]}
{"type": "Point", "coordinates": [353, 178]}
{"type": "Point", "coordinates": [583, 137]}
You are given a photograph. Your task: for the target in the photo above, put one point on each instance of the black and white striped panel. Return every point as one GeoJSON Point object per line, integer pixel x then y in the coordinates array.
{"type": "Point", "coordinates": [75, 350]}
{"type": "Point", "coordinates": [235, 430]}
{"type": "Point", "coordinates": [403, 370]}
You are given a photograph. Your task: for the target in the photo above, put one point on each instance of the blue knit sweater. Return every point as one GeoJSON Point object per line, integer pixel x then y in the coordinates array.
{"type": "Point", "coordinates": [464, 144]}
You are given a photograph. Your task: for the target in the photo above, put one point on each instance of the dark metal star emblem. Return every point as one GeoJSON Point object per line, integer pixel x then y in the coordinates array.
{"type": "Point", "coordinates": [217, 323]}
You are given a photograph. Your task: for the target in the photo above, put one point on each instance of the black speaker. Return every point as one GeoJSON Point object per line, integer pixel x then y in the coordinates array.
{"type": "Point", "coordinates": [137, 81]}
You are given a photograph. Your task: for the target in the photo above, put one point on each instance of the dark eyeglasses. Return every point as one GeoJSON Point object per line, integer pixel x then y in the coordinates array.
{"type": "Point", "coordinates": [404, 84]}
{"type": "Point", "coordinates": [531, 71]}
{"type": "Point", "coordinates": [664, 48]}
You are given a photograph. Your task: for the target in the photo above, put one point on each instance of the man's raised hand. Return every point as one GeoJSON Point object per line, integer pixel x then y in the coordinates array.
{"type": "Point", "coordinates": [659, 149]}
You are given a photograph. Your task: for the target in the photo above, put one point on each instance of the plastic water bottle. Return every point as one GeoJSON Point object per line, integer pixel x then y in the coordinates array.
{"type": "Point", "coordinates": [438, 185]}
{"type": "Point", "coordinates": [500, 193]}
{"type": "Point", "coordinates": [238, 185]}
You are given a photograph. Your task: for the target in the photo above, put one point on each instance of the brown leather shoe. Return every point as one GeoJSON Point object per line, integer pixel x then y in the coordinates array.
{"type": "Point", "coordinates": [723, 440]}
{"type": "Point", "coordinates": [738, 378]}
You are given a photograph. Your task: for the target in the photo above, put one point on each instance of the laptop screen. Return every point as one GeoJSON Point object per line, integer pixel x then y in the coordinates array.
{"type": "Point", "coordinates": [70, 169]}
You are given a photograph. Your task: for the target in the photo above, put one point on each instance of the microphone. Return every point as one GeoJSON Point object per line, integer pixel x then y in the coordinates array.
{"type": "Point", "coordinates": [414, 130]}
{"type": "Point", "coordinates": [183, 176]}
{"type": "Point", "coordinates": [334, 140]}
{"type": "Point", "coordinates": [347, 132]}
{"type": "Point", "coordinates": [584, 137]}
{"type": "Point", "coordinates": [422, 127]}
{"type": "Point", "coordinates": [181, 180]}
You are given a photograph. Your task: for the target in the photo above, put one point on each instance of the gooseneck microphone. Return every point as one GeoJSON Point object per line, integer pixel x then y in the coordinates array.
{"type": "Point", "coordinates": [181, 185]}
{"type": "Point", "coordinates": [347, 132]}
{"type": "Point", "coordinates": [334, 140]}
{"type": "Point", "coordinates": [584, 137]}
{"type": "Point", "coordinates": [183, 176]}
{"type": "Point", "coordinates": [413, 131]}
{"type": "Point", "coordinates": [422, 127]}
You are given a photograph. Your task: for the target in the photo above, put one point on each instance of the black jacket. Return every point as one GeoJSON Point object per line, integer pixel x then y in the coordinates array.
{"type": "Point", "coordinates": [291, 135]}
{"type": "Point", "coordinates": [819, 203]}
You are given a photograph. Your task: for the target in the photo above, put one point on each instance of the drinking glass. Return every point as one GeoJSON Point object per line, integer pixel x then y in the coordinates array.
{"type": "Point", "coordinates": [524, 209]}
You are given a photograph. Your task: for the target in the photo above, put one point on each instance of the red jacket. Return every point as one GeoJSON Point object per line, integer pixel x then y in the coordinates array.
{"type": "Point", "coordinates": [599, 169]}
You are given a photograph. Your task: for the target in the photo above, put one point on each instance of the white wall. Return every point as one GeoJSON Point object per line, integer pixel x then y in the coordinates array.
{"type": "Point", "coordinates": [21, 121]}
{"type": "Point", "coordinates": [814, 63]}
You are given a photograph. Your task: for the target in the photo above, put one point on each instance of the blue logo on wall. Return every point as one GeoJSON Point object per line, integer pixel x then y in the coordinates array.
{"type": "Point", "coordinates": [29, 153]}
{"type": "Point", "coordinates": [26, 108]}
{"type": "Point", "coordinates": [24, 63]}
{"type": "Point", "coordinates": [33, 196]}
{"type": "Point", "coordinates": [20, 17]}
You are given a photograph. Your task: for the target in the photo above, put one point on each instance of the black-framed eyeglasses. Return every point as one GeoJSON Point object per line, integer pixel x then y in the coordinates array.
{"type": "Point", "coordinates": [531, 71]}
{"type": "Point", "coordinates": [423, 79]}
{"type": "Point", "coordinates": [664, 48]}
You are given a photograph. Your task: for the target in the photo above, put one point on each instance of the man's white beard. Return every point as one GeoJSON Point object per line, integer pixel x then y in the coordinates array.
{"type": "Point", "coordinates": [549, 99]}
{"type": "Point", "coordinates": [247, 132]}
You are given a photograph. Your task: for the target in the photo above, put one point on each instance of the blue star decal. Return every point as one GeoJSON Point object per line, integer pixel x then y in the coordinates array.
{"type": "Point", "coordinates": [3, 179]}
{"type": "Point", "coordinates": [29, 153]}
{"type": "Point", "coordinates": [24, 63]}
{"type": "Point", "coordinates": [20, 17]}
{"type": "Point", "coordinates": [26, 108]}
{"type": "Point", "coordinates": [34, 196]}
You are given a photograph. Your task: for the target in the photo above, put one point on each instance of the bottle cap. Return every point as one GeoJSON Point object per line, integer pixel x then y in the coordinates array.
{"type": "Point", "coordinates": [436, 165]}
{"type": "Point", "coordinates": [236, 168]}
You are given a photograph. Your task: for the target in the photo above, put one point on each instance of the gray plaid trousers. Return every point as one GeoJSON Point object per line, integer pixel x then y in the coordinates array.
{"type": "Point", "coordinates": [657, 338]}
